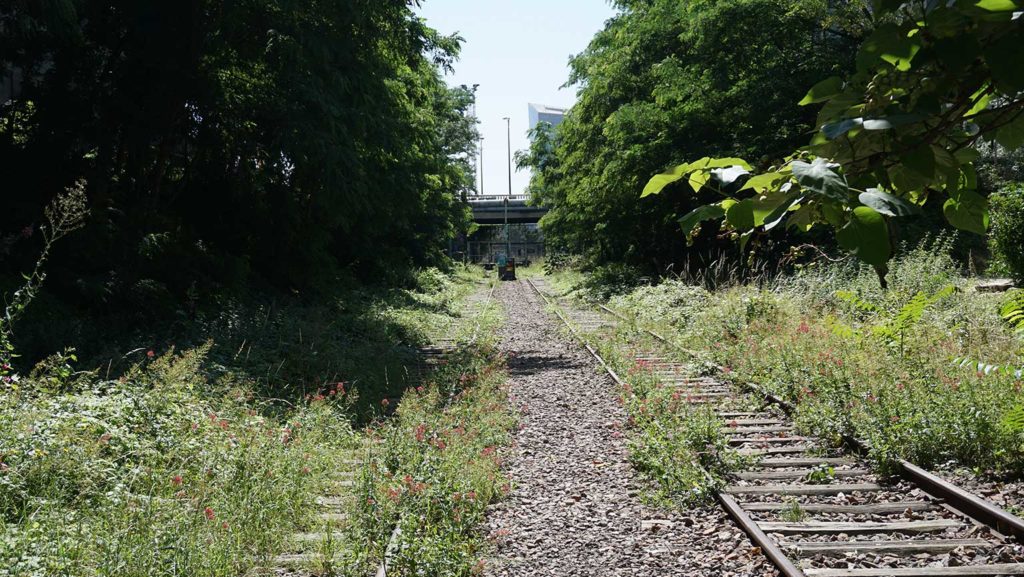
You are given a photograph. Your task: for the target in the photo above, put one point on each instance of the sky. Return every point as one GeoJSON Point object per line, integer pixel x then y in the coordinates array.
{"type": "Point", "coordinates": [518, 52]}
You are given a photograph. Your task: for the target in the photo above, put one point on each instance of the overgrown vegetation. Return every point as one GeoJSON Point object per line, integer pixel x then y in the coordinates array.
{"type": "Point", "coordinates": [186, 465]}
{"type": "Point", "coordinates": [667, 80]}
{"type": "Point", "coordinates": [437, 468]}
{"type": "Point", "coordinates": [932, 82]}
{"type": "Point", "coordinates": [260, 147]}
{"type": "Point", "coordinates": [927, 370]}
{"type": "Point", "coordinates": [1007, 236]}
{"type": "Point", "coordinates": [168, 469]}
{"type": "Point", "coordinates": [682, 448]}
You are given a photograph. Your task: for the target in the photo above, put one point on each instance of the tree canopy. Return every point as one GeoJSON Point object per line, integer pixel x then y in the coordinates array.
{"type": "Point", "coordinates": [932, 81]}
{"type": "Point", "coordinates": [669, 80]}
{"type": "Point", "coordinates": [221, 140]}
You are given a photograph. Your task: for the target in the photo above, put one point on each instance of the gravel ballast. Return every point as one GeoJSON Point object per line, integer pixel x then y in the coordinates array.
{"type": "Point", "coordinates": [576, 507]}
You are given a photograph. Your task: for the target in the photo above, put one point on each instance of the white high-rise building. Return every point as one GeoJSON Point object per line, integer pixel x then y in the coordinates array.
{"type": "Point", "coordinates": [550, 114]}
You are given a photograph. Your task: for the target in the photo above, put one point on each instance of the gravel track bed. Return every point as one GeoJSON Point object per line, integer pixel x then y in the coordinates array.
{"type": "Point", "coordinates": [1008, 494]}
{"type": "Point", "coordinates": [576, 505]}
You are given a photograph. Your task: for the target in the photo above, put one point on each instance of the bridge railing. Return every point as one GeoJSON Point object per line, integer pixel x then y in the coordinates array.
{"type": "Point", "coordinates": [498, 198]}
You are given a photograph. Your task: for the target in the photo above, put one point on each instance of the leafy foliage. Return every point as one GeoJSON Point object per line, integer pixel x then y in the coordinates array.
{"type": "Point", "coordinates": [224, 144]}
{"type": "Point", "coordinates": [932, 80]}
{"type": "Point", "coordinates": [1013, 310]}
{"type": "Point", "coordinates": [438, 468]}
{"type": "Point", "coordinates": [1007, 237]}
{"type": "Point", "coordinates": [1013, 422]}
{"type": "Point", "coordinates": [64, 215]}
{"type": "Point", "coordinates": [673, 79]}
{"type": "Point", "coordinates": [173, 471]}
{"type": "Point", "coordinates": [872, 363]}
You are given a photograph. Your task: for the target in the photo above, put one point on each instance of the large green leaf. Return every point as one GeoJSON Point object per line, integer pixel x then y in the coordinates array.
{"type": "Point", "coordinates": [699, 215]}
{"type": "Point", "coordinates": [660, 181]}
{"type": "Point", "coordinates": [981, 98]}
{"type": "Point", "coordinates": [958, 52]}
{"type": "Point", "coordinates": [721, 163]}
{"type": "Point", "coordinates": [967, 210]}
{"type": "Point", "coordinates": [823, 91]}
{"type": "Point", "coordinates": [699, 178]}
{"type": "Point", "coordinates": [729, 175]}
{"type": "Point", "coordinates": [866, 236]}
{"type": "Point", "coordinates": [834, 130]}
{"type": "Point", "coordinates": [741, 215]}
{"type": "Point", "coordinates": [888, 204]}
{"type": "Point", "coordinates": [763, 182]}
{"type": "Point", "coordinates": [999, 5]}
{"type": "Point", "coordinates": [892, 121]}
{"type": "Point", "coordinates": [766, 204]}
{"type": "Point", "coordinates": [921, 160]}
{"type": "Point", "coordinates": [819, 178]}
{"type": "Point", "coordinates": [1011, 136]}
{"type": "Point", "coordinates": [905, 180]}
{"type": "Point", "coordinates": [803, 219]}
{"type": "Point", "coordinates": [888, 43]}
{"type": "Point", "coordinates": [1004, 58]}
{"type": "Point", "coordinates": [772, 219]}
{"type": "Point", "coordinates": [882, 7]}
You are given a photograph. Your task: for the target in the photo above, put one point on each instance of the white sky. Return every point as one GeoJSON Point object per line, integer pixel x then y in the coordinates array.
{"type": "Point", "coordinates": [518, 52]}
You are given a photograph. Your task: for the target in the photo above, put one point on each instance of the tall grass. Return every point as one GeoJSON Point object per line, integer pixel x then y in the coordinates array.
{"type": "Point", "coordinates": [437, 467]}
{"type": "Point", "coordinates": [159, 472]}
{"type": "Point", "coordinates": [202, 462]}
{"type": "Point", "coordinates": [860, 360]}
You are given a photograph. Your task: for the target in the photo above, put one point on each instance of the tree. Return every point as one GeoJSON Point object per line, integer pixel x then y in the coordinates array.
{"type": "Point", "coordinates": [667, 80]}
{"type": "Point", "coordinates": [225, 142]}
{"type": "Point", "coordinates": [932, 81]}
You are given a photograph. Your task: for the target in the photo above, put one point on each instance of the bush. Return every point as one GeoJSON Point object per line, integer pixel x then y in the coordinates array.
{"type": "Point", "coordinates": [609, 280]}
{"type": "Point", "coordinates": [672, 302]}
{"type": "Point", "coordinates": [1007, 235]}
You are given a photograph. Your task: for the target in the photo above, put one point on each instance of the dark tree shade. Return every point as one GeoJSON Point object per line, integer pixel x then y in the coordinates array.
{"type": "Point", "coordinates": [220, 140]}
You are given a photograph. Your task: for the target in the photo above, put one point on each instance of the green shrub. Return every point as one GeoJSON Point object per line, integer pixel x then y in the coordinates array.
{"type": "Point", "coordinates": [1006, 238]}
{"type": "Point", "coordinates": [610, 279]}
{"type": "Point", "coordinates": [672, 302]}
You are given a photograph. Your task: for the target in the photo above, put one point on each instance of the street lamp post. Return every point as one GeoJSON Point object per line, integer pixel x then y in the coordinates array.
{"type": "Point", "coordinates": [508, 132]}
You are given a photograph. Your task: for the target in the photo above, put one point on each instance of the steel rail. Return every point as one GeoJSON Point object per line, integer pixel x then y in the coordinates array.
{"type": "Point", "coordinates": [966, 503]}
{"type": "Point", "coordinates": [768, 547]}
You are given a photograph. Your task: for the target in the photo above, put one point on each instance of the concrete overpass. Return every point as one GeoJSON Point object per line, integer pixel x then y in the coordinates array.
{"type": "Point", "coordinates": [491, 209]}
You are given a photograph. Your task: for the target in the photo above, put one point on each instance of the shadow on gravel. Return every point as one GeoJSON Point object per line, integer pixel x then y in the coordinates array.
{"type": "Point", "coordinates": [531, 364]}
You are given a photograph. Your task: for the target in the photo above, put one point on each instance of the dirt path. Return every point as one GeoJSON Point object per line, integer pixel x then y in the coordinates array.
{"type": "Point", "coordinates": [576, 504]}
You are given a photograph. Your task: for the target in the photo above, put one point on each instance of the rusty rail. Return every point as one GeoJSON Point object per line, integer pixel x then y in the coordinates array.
{"type": "Point", "coordinates": [767, 546]}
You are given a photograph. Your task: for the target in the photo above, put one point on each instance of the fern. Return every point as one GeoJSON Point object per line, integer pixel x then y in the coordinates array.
{"type": "Point", "coordinates": [910, 314]}
{"type": "Point", "coordinates": [1013, 310]}
{"type": "Point", "coordinates": [988, 368]}
{"type": "Point", "coordinates": [1013, 424]}
{"type": "Point", "coordinates": [851, 298]}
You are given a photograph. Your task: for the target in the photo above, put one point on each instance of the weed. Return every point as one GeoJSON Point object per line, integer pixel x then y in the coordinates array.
{"type": "Point", "coordinates": [437, 469]}
{"type": "Point", "coordinates": [792, 512]}
{"type": "Point", "coordinates": [856, 360]}
{"type": "Point", "coordinates": [183, 463]}
{"type": "Point", "coordinates": [823, 474]}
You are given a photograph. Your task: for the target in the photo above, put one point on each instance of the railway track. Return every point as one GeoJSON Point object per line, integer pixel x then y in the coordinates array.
{"type": "Point", "coordinates": [323, 547]}
{"type": "Point", "coordinates": [818, 511]}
